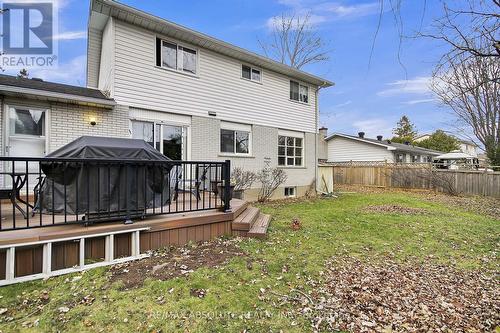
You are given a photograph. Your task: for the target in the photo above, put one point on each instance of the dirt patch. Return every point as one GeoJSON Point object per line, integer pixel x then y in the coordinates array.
{"type": "Point", "coordinates": [395, 209]}
{"type": "Point", "coordinates": [482, 205]}
{"type": "Point", "coordinates": [175, 261]}
{"type": "Point", "coordinates": [389, 296]}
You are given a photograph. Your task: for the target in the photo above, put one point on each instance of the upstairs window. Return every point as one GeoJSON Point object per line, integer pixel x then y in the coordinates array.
{"type": "Point", "coordinates": [299, 92]}
{"type": "Point", "coordinates": [252, 74]}
{"type": "Point", "coordinates": [176, 57]}
{"type": "Point", "coordinates": [169, 55]}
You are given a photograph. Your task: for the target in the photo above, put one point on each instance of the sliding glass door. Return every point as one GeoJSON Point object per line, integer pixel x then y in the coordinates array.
{"type": "Point", "coordinates": [170, 140]}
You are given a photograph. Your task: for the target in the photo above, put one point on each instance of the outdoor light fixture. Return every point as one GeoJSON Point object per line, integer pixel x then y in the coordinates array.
{"type": "Point", "coordinates": [93, 121]}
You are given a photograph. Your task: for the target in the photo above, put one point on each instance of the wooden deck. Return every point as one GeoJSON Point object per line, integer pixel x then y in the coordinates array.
{"type": "Point", "coordinates": [29, 254]}
{"type": "Point", "coordinates": [13, 219]}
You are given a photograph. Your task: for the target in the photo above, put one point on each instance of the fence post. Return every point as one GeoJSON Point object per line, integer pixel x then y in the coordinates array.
{"type": "Point", "coordinates": [227, 186]}
{"type": "Point", "coordinates": [384, 174]}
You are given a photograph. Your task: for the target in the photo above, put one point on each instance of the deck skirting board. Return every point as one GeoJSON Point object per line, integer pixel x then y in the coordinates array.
{"type": "Point", "coordinates": [47, 256]}
{"type": "Point", "coordinates": [45, 252]}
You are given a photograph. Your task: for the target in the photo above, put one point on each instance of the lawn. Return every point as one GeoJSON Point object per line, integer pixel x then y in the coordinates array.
{"type": "Point", "coordinates": [242, 293]}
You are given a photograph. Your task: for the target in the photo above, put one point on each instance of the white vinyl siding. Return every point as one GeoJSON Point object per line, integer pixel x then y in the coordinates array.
{"type": "Point", "coordinates": [94, 40]}
{"type": "Point", "coordinates": [345, 150]}
{"type": "Point", "coordinates": [107, 67]}
{"type": "Point", "coordinates": [217, 87]}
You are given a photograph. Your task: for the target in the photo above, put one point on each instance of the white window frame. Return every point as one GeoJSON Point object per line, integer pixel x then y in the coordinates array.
{"type": "Point", "coordinates": [251, 69]}
{"type": "Point", "coordinates": [186, 134]}
{"type": "Point", "coordinates": [6, 126]}
{"type": "Point", "coordinates": [403, 157]}
{"type": "Point", "coordinates": [236, 128]}
{"type": "Point", "coordinates": [288, 188]}
{"type": "Point", "coordinates": [300, 85]}
{"type": "Point", "coordinates": [179, 46]}
{"type": "Point", "coordinates": [295, 135]}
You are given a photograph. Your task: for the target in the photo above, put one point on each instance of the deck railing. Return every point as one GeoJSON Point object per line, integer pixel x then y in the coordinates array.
{"type": "Point", "coordinates": [40, 192]}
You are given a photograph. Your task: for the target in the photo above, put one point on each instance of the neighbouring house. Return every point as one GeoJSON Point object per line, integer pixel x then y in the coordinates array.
{"type": "Point", "coordinates": [189, 95]}
{"type": "Point", "coordinates": [346, 148]}
{"type": "Point", "coordinates": [466, 146]}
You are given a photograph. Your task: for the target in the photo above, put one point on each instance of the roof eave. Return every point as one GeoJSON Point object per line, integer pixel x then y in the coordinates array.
{"type": "Point", "coordinates": [360, 140]}
{"type": "Point", "coordinates": [50, 95]}
{"type": "Point", "coordinates": [210, 42]}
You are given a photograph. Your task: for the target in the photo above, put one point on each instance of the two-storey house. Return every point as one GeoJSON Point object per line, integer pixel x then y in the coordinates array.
{"type": "Point", "coordinates": [198, 98]}
{"type": "Point", "coordinates": [191, 96]}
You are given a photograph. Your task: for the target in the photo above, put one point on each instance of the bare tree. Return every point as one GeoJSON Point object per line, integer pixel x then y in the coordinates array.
{"type": "Point", "coordinates": [462, 28]}
{"type": "Point", "coordinates": [461, 24]}
{"type": "Point", "coordinates": [468, 85]}
{"type": "Point", "coordinates": [294, 41]}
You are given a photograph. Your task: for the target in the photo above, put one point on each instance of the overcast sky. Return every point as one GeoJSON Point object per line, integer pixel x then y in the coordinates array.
{"type": "Point", "coordinates": [368, 98]}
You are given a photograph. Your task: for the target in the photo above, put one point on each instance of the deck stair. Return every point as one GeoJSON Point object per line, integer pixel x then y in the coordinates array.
{"type": "Point", "coordinates": [251, 223]}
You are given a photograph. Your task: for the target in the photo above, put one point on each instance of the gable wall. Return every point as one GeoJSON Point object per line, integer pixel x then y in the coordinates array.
{"type": "Point", "coordinates": [345, 150]}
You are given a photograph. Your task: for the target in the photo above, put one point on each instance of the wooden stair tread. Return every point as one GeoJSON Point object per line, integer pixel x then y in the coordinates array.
{"type": "Point", "coordinates": [259, 228]}
{"type": "Point", "coordinates": [246, 219]}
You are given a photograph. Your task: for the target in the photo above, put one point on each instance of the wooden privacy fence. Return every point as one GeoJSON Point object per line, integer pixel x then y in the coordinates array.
{"type": "Point", "coordinates": [417, 176]}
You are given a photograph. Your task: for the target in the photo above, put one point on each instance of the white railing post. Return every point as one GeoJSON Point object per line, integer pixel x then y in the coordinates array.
{"type": "Point", "coordinates": [10, 263]}
{"type": "Point", "coordinates": [136, 245]}
{"type": "Point", "coordinates": [82, 252]}
{"type": "Point", "coordinates": [109, 248]}
{"type": "Point", "coordinates": [47, 258]}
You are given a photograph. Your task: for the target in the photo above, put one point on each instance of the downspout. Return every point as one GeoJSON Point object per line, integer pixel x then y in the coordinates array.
{"type": "Point", "coordinates": [316, 112]}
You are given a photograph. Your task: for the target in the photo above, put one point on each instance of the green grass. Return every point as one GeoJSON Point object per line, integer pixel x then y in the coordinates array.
{"type": "Point", "coordinates": [234, 302]}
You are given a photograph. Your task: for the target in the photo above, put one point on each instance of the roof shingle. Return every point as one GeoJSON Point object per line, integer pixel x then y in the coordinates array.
{"type": "Point", "coordinates": [36, 84]}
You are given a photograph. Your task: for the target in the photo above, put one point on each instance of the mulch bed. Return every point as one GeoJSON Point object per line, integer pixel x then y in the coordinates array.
{"type": "Point", "coordinates": [174, 262]}
{"type": "Point", "coordinates": [395, 209]}
{"type": "Point", "coordinates": [388, 296]}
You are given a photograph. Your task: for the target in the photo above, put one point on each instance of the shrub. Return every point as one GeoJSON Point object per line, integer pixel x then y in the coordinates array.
{"type": "Point", "coordinates": [241, 179]}
{"type": "Point", "coordinates": [271, 179]}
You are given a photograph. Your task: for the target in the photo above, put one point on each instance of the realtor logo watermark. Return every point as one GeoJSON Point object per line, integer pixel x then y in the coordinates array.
{"type": "Point", "coordinates": [29, 28]}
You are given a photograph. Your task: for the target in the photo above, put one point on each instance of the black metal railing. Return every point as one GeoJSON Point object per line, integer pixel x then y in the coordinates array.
{"type": "Point", "coordinates": [39, 192]}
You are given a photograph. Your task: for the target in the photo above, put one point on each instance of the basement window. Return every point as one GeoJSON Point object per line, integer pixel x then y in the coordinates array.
{"type": "Point", "coordinates": [290, 192]}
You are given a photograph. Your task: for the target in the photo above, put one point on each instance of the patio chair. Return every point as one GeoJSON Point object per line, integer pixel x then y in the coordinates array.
{"type": "Point", "coordinates": [190, 185]}
{"type": "Point", "coordinates": [36, 194]}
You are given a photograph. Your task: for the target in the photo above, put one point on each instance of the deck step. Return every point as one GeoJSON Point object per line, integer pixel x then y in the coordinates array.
{"type": "Point", "coordinates": [246, 219]}
{"type": "Point", "coordinates": [259, 228]}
